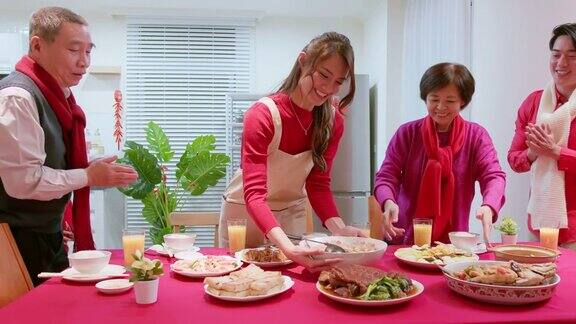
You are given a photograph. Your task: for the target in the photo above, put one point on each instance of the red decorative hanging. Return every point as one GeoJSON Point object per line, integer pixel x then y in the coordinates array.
{"type": "Point", "coordinates": [118, 118]}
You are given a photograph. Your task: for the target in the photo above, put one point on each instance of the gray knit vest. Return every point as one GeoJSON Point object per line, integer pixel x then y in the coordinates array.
{"type": "Point", "coordinates": [40, 216]}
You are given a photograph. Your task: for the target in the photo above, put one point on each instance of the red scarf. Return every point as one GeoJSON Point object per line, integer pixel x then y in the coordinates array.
{"type": "Point", "coordinates": [436, 196]}
{"type": "Point", "coordinates": [72, 121]}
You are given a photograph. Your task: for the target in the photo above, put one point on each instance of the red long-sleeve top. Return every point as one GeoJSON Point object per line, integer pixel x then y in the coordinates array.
{"type": "Point", "coordinates": [257, 135]}
{"type": "Point", "coordinates": [519, 162]}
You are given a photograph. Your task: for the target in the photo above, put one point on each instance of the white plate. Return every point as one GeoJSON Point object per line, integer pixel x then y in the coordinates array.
{"type": "Point", "coordinates": [240, 255]}
{"type": "Point", "coordinates": [360, 302]}
{"type": "Point", "coordinates": [288, 283]}
{"type": "Point", "coordinates": [159, 249]}
{"type": "Point", "coordinates": [479, 248]}
{"type": "Point", "coordinates": [188, 255]}
{"type": "Point", "coordinates": [114, 286]}
{"type": "Point", "coordinates": [428, 265]}
{"type": "Point", "coordinates": [189, 273]}
{"type": "Point", "coordinates": [109, 270]}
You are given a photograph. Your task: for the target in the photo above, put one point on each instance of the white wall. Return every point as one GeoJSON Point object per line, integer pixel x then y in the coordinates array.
{"type": "Point", "coordinates": [376, 56]}
{"type": "Point", "coordinates": [509, 61]}
{"type": "Point", "coordinates": [278, 40]}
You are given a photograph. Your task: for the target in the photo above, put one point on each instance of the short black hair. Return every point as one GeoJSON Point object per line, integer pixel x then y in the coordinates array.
{"type": "Point", "coordinates": [443, 74]}
{"type": "Point", "coordinates": [568, 29]}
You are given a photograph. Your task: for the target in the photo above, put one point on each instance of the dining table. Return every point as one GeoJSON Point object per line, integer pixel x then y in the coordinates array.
{"type": "Point", "coordinates": [182, 299]}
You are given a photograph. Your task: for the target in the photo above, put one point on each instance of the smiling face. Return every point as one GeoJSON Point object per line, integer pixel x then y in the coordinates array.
{"type": "Point", "coordinates": [563, 65]}
{"type": "Point", "coordinates": [67, 57]}
{"type": "Point", "coordinates": [323, 81]}
{"type": "Point", "coordinates": [443, 106]}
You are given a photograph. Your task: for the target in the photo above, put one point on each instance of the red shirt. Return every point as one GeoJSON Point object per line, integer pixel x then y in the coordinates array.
{"type": "Point", "coordinates": [519, 162]}
{"type": "Point", "coordinates": [257, 135]}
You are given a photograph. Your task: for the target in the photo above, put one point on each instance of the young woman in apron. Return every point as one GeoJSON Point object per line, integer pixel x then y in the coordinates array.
{"type": "Point", "coordinates": [289, 141]}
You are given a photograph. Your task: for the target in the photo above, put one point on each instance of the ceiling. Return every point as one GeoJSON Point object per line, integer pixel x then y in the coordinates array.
{"type": "Point", "coordinates": [359, 9]}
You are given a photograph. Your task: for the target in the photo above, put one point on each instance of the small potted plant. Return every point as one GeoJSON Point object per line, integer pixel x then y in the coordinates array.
{"type": "Point", "coordinates": [509, 230]}
{"type": "Point", "coordinates": [145, 274]}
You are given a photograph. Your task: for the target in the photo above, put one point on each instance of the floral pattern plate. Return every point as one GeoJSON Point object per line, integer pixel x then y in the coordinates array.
{"type": "Point", "coordinates": [496, 294]}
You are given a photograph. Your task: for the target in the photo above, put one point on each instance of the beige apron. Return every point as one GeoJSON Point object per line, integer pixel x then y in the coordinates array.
{"type": "Point", "coordinates": [286, 178]}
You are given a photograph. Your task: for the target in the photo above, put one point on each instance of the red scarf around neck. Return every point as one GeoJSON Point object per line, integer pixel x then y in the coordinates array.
{"type": "Point", "coordinates": [72, 121]}
{"type": "Point", "coordinates": [436, 195]}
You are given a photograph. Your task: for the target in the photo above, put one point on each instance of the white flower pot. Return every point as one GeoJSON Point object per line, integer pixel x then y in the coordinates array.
{"type": "Point", "coordinates": [509, 239]}
{"type": "Point", "coordinates": [146, 292]}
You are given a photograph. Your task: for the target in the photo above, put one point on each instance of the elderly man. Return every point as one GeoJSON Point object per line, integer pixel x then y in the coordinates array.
{"type": "Point", "coordinates": [43, 157]}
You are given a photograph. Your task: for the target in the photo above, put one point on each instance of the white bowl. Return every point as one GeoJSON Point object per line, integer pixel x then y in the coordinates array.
{"type": "Point", "coordinates": [89, 261]}
{"type": "Point", "coordinates": [497, 294]}
{"type": "Point", "coordinates": [369, 257]}
{"type": "Point", "coordinates": [464, 240]}
{"type": "Point", "coordinates": [179, 241]}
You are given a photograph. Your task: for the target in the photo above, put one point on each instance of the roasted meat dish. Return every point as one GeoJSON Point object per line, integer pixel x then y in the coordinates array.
{"type": "Point", "coordinates": [362, 282]}
{"type": "Point", "coordinates": [268, 254]}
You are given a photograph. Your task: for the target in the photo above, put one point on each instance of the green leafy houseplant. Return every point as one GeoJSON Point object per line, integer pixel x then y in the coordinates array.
{"type": "Point", "coordinates": [508, 226]}
{"type": "Point", "coordinates": [197, 169]}
{"type": "Point", "coordinates": [144, 269]}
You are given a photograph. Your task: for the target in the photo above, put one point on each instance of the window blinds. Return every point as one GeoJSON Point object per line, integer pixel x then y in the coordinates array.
{"type": "Point", "coordinates": [178, 75]}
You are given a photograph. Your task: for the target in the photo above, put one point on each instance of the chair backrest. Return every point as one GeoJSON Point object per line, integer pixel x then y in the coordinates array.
{"type": "Point", "coordinates": [14, 278]}
{"type": "Point", "coordinates": [376, 218]}
{"type": "Point", "coordinates": [309, 217]}
{"type": "Point", "coordinates": [196, 219]}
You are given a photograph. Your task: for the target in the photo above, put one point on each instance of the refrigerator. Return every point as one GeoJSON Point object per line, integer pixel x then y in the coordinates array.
{"type": "Point", "coordinates": [351, 178]}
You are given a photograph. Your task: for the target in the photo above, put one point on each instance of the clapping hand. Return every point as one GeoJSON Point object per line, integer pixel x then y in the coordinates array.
{"type": "Point", "coordinates": [540, 141]}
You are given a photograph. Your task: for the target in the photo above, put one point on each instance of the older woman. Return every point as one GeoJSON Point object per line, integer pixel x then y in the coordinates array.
{"type": "Point", "coordinates": [548, 149]}
{"type": "Point", "coordinates": [431, 164]}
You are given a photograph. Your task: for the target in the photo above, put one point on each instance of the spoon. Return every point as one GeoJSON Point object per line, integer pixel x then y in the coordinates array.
{"type": "Point", "coordinates": [330, 248]}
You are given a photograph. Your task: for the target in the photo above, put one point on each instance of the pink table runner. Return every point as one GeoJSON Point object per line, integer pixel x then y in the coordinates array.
{"type": "Point", "coordinates": [182, 300]}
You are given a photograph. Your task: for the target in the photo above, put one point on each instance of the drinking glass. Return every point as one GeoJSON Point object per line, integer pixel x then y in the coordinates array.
{"type": "Point", "coordinates": [132, 240]}
{"type": "Point", "coordinates": [236, 234]}
{"type": "Point", "coordinates": [422, 231]}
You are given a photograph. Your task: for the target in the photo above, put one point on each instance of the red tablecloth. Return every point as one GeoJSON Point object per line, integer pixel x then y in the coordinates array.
{"type": "Point", "coordinates": [182, 300]}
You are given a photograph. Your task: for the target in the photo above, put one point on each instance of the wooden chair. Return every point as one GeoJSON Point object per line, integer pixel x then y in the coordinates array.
{"type": "Point", "coordinates": [196, 219]}
{"type": "Point", "coordinates": [14, 278]}
{"type": "Point", "coordinates": [309, 217]}
{"type": "Point", "coordinates": [376, 218]}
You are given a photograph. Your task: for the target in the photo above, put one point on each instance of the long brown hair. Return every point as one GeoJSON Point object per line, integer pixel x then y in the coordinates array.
{"type": "Point", "coordinates": [317, 50]}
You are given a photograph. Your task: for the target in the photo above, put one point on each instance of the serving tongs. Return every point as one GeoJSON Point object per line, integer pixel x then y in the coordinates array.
{"type": "Point", "coordinates": [330, 248]}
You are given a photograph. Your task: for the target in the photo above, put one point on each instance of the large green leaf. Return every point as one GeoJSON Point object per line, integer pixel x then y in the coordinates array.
{"type": "Point", "coordinates": [146, 165]}
{"type": "Point", "coordinates": [204, 170]}
{"type": "Point", "coordinates": [137, 190]}
{"type": "Point", "coordinates": [144, 162]}
{"type": "Point", "coordinates": [158, 205]}
{"type": "Point", "coordinates": [152, 210]}
{"type": "Point", "coordinates": [204, 143]}
{"type": "Point", "coordinates": [159, 142]}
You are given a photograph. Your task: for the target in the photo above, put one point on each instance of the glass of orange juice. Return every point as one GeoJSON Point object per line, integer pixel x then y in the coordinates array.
{"type": "Point", "coordinates": [422, 231]}
{"type": "Point", "coordinates": [364, 226]}
{"type": "Point", "coordinates": [236, 234]}
{"type": "Point", "coordinates": [132, 240]}
{"type": "Point", "coordinates": [549, 237]}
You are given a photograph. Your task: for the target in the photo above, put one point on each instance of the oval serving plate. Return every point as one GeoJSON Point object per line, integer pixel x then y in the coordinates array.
{"type": "Point", "coordinates": [360, 302]}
